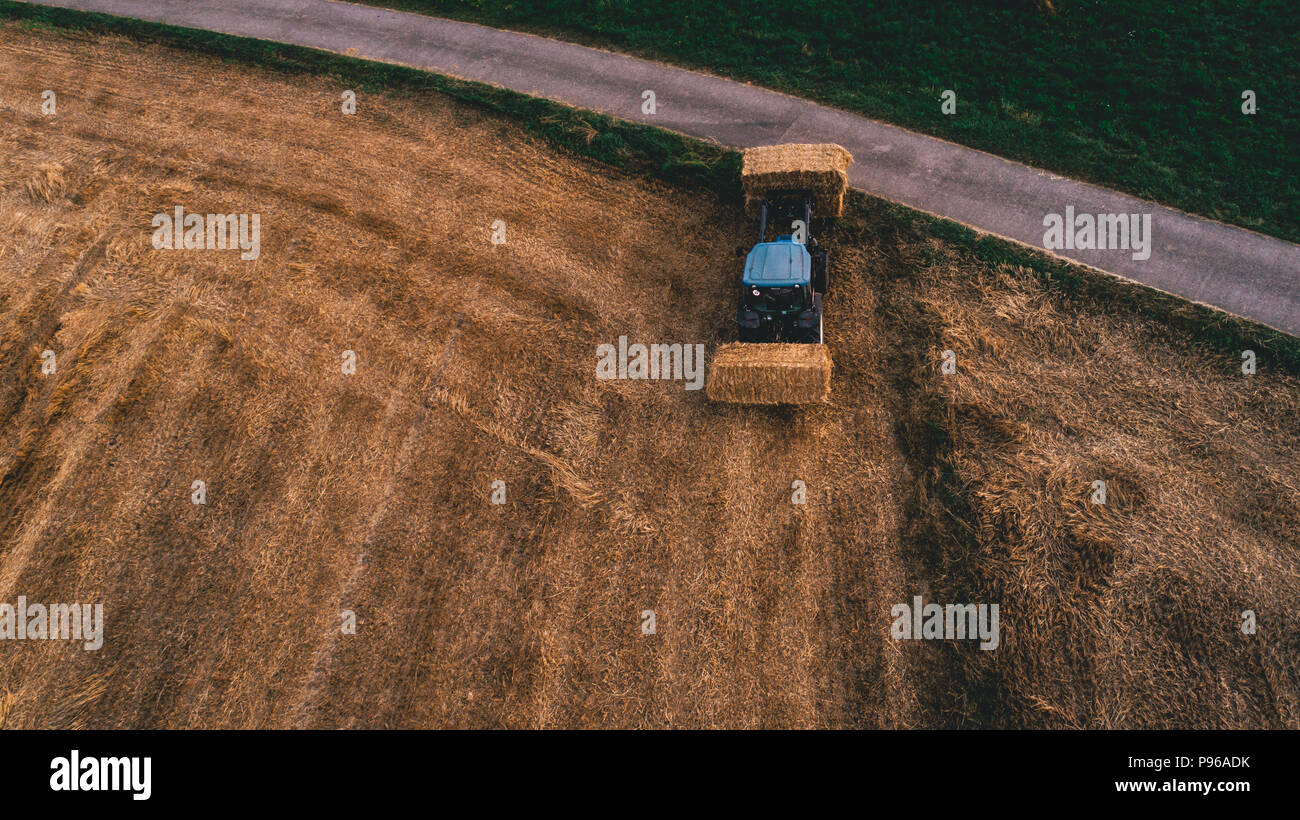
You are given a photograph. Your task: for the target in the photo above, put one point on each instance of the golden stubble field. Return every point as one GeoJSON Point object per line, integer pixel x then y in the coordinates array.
{"type": "Point", "coordinates": [475, 363]}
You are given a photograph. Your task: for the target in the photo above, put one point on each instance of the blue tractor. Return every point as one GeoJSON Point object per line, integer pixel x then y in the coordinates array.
{"type": "Point", "coordinates": [784, 280]}
{"type": "Point", "coordinates": [781, 357]}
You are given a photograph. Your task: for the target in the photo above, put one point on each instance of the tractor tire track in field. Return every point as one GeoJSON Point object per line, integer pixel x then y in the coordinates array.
{"type": "Point", "coordinates": [313, 688]}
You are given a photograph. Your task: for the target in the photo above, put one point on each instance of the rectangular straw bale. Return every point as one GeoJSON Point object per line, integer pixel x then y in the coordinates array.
{"type": "Point", "coordinates": [821, 169]}
{"type": "Point", "coordinates": [770, 374]}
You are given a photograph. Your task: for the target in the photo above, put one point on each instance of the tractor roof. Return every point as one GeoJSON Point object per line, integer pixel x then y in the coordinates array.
{"type": "Point", "coordinates": [783, 263]}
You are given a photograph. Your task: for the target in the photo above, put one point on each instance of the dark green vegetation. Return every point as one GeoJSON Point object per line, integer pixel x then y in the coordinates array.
{"type": "Point", "coordinates": [1141, 95]}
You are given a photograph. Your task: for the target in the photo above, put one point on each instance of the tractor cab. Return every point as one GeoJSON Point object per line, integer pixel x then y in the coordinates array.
{"type": "Point", "coordinates": [777, 297]}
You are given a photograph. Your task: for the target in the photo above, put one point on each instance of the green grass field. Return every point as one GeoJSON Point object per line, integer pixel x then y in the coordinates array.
{"type": "Point", "coordinates": [1141, 95]}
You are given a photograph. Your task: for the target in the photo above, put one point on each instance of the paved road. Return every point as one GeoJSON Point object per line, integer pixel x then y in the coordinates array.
{"type": "Point", "coordinates": [1205, 261]}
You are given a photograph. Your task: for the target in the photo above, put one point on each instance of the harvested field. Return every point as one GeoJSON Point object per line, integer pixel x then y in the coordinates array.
{"type": "Point", "coordinates": [371, 492]}
{"type": "Point", "coordinates": [1122, 614]}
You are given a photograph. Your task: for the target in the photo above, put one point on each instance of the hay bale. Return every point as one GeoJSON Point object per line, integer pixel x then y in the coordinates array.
{"type": "Point", "coordinates": [821, 169]}
{"type": "Point", "coordinates": [770, 374]}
